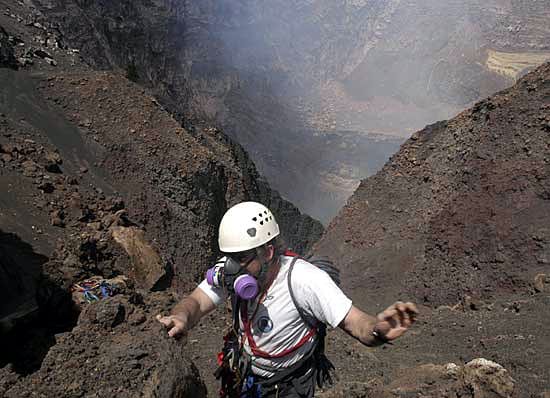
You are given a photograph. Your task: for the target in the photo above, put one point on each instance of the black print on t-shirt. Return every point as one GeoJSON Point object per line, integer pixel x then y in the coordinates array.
{"type": "Point", "coordinates": [265, 324]}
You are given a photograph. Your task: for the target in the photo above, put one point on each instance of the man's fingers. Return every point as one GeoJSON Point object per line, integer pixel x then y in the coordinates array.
{"type": "Point", "coordinates": [394, 321]}
{"type": "Point", "coordinates": [401, 307]}
{"type": "Point", "coordinates": [410, 312]}
{"type": "Point", "coordinates": [395, 333]}
{"type": "Point", "coordinates": [176, 331]}
{"type": "Point", "coordinates": [165, 320]}
{"type": "Point", "coordinates": [387, 314]}
{"type": "Point", "coordinates": [399, 314]}
{"type": "Point", "coordinates": [404, 319]}
{"type": "Point", "coordinates": [411, 309]}
{"type": "Point", "coordinates": [176, 327]}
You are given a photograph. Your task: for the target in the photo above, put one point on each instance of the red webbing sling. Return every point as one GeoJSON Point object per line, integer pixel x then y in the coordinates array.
{"type": "Point", "coordinates": [246, 322]}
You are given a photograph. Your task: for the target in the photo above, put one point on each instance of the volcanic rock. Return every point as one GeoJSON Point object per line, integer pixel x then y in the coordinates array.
{"type": "Point", "coordinates": [53, 160]}
{"type": "Point", "coordinates": [107, 355]}
{"type": "Point", "coordinates": [147, 266]}
{"type": "Point", "coordinates": [57, 217]}
{"type": "Point", "coordinates": [541, 282]}
{"type": "Point", "coordinates": [479, 378]}
{"type": "Point", "coordinates": [474, 206]}
{"type": "Point", "coordinates": [7, 57]}
{"type": "Point", "coordinates": [46, 187]}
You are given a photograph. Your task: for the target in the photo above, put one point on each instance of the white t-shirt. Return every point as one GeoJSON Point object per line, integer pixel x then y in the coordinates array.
{"type": "Point", "coordinates": [277, 324]}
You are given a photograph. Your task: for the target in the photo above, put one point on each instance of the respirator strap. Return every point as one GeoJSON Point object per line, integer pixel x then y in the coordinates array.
{"type": "Point", "coordinates": [235, 305]}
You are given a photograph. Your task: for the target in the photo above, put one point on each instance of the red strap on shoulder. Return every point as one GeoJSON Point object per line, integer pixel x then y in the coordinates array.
{"type": "Point", "coordinates": [256, 351]}
{"type": "Point", "coordinates": [254, 348]}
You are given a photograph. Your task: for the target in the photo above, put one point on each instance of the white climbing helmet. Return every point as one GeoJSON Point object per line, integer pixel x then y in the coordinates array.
{"type": "Point", "coordinates": [246, 226]}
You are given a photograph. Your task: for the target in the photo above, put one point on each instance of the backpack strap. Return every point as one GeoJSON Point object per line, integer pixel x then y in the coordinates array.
{"type": "Point", "coordinates": [323, 364]}
{"type": "Point", "coordinates": [306, 320]}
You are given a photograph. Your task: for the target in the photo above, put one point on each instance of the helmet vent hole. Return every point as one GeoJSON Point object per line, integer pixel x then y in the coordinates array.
{"type": "Point", "coordinates": [261, 223]}
{"type": "Point", "coordinates": [255, 219]}
{"type": "Point", "coordinates": [265, 211]}
{"type": "Point", "coordinates": [269, 233]}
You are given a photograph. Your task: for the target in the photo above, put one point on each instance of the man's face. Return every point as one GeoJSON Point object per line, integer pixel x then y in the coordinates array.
{"type": "Point", "coordinates": [252, 261]}
{"type": "Point", "coordinates": [253, 267]}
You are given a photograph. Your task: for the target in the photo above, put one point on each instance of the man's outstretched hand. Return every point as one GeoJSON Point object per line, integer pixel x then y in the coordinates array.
{"type": "Point", "coordinates": [176, 325]}
{"type": "Point", "coordinates": [395, 320]}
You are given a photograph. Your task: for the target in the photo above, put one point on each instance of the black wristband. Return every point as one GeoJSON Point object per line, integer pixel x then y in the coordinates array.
{"type": "Point", "coordinates": [380, 337]}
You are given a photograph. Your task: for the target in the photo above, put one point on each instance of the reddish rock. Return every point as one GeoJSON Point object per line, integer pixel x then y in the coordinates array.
{"type": "Point", "coordinates": [541, 283]}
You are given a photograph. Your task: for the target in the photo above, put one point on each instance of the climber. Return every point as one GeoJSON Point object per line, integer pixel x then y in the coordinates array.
{"type": "Point", "coordinates": [272, 348]}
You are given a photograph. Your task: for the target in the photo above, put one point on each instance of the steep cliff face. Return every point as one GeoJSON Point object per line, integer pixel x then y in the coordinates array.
{"type": "Point", "coordinates": [462, 209]}
{"type": "Point", "coordinates": [236, 64]}
{"type": "Point", "coordinates": [457, 221]}
{"type": "Point", "coordinates": [99, 179]}
{"type": "Point", "coordinates": [432, 59]}
{"type": "Point", "coordinates": [273, 74]}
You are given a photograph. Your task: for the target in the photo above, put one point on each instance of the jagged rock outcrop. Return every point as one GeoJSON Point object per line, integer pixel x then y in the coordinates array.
{"type": "Point", "coordinates": [117, 348]}
{"type": "Point", "coordinates": [148, 268]}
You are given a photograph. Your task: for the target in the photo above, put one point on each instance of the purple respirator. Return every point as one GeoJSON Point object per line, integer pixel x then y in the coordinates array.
{"type": "Point", "coordinates": [244, 285]}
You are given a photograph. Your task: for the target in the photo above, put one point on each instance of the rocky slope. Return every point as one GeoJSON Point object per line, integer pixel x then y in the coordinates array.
{"type": "Point", "coordinates": [99, 179]}
{"type": "Point", "coordinates": [235, 64]}
{"type": "Point", "coordinates": [115, 349]}
{"type": "Point", "coordinates": [485, 174]}
{"type": "Point", "coordinates": [284, 71]}
{"type": "Point", "coordinates": [458, 221]}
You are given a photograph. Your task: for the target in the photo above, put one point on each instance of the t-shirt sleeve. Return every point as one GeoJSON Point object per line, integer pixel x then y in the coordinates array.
{"type": "Point", "coordinates": [217, 295]}
{"type": "Point", "coordinates": [317, 294]}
